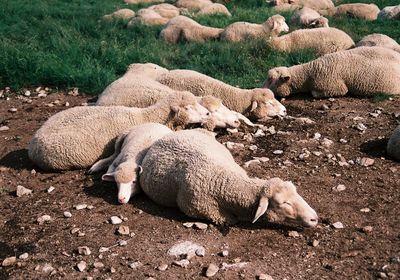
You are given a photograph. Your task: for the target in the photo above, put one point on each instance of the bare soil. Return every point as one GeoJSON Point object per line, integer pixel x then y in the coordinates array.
{"type": "Point", "coordinates": [347, 253]}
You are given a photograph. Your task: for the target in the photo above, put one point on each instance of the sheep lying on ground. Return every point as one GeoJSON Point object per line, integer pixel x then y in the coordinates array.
{"type": "Point", "coordinates": [390, 12]}
{"type": "Point", "coordinates": [78, 137]}
{"type": "Point", "coordinates": [379, 40]}
{"type": "Point", "coordinates": [214, 9]}
{"type": "Point", "coordinates": [313, 4]}
{"type": "Point", "coordinates": [240, 31]}
{"type": "Point", "coordinates": [307, 17]}
{"type": "Point", "coordinates": [142, 1]}
{"type": "Point", "coordinates": [124, 164]}
{"type": "Point", "coordinates": [373, 70]}
{"type": "Point", "coordinates": [182, 28]}
{"type": "Point", "coordinates": [257, 103]}
{"type": "Point", "coordinates": [393, 146]}
{"type": "Point", "coordinates": [120, 14]}
{"type": "Point", "coordinates": [322, 40]}
{"type": "Point", "coordinates": [203, 180]}
{"type": "Point", "coordinates": [356, 10]}
{"type": "Point", "coordinates": [148, 17]}
{"type": "Point", "coordinates": [287, 8]}
{"type": "Point", "coordinates": [166, 10]}
{"type": "Point", "coordinates": [193, 5]}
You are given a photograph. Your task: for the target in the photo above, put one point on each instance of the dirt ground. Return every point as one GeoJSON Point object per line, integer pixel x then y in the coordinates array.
{"type": "Point", "coordinates": [325, 252]}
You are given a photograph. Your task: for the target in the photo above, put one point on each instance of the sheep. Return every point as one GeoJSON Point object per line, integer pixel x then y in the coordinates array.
{"type": "Point", "coordinates": [124, 164]}
{"type": "Point", "coordinates": [203, 180]}
{"type": "Point", "coordinates": [213, 9]}
{"type": "Point", "coordinates": [256, 103]}
{"type": "Point", "coordinates": [390, 12]}
{"type": "Point", "coordinates": [78, 137]}
{"type": "Point", "coordinates": [147, 17]}
{"type": "Point", "coordinates": [322, 40]}
{"type": "Point", "coordinates": [182, 28]}
{"type": "Point", "coordinates": [393, 146]}
{"type": "Point", "coordinates": [287, 8]}
{"type": "Point", "coordinates": [379, 40]}
{"type": "Point", "coordinates": [193, 5]}
{"type": "Point", "coordinates": [166, 10]}
{"type": "Point", "coordinates": [240, 31]}
{"type": "Point", "coordinates": [313, 4]}
{"type": "Point", "coordinates": [373, 70]}
{"type": "Point", "coordinates": [307, 17]}
{"type": "Point", "coordinates": [356, 10]}
{"type": "Point", "coordinates": [142, 1]}
{"type": "Point", "coordinates": [125, 14]}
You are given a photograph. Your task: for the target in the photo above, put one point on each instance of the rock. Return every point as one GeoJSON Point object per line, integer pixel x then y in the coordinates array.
{"type": "Point", "coordinates": [262, 159]}
{"type": "Point", "coordinates": [317, 136]}
{"type": "Point", "coordinates": [98, 265]}
{"type": "Point", "coordinates": [103, 249]}
{"type": "Point", "coordinates": [135, 265]}
{"type": "Point", "coordinates": [75, 230]}
{"type": "Point", "coordinates": [200, 252]}
{"type": "Point", "coordinates": [339, 188]}
{"type": "Point", "coordinates": [338, 225]}
{"type": "Point", "coordinates": [259, 133]}
{"type": "Point", "coordinates": [237, 265]}
{"type": "Point", "coordinates": [253, 161]}
{"type": "Point", "coordinates": [66, 104]}
{"type": "Point", "coordinates": [303, 120]}
{"type": "Point", "coordinates": [21, 191]}
{"type": "Point", "coordinates": [42, 94]}
{"type": "Point", "coordinates": [67, 214]}
{"type": "Point", "coordinates": [232, 130]}
{"type": "Point", "coordinates": [361, 127]}
{"type": "Point", "coordinates": [43, 219]}
{"type": "Point", "coordinates": [4, 128]}
{"type": "Point", "coordinates": [367, 229]}
{"type": "Point", "coordinates": [188, 225]}
{"type": "Point", "coordinates": [293, 233]}
{"type": "Point", "coordinates": [315, 243]}
{"type": "Point", "coordinates": [84, 250]}
{"type": "Point", "coordinates": [50, 189]}
{"type": "Point", "coordinates": [80, 206]}
{"type": "Point", "coordinates": [366, 161]}
{"type": "Point", "coordinates": [23, 256]}
{"type": "Point", "coordinates": [343, 141]}
{"type": "Point", "coordinates": [263, 276]}
{"type": "Point", "coordinates": [9, 261]}
{"type": "Point", "coordinates": [90, 207]}
{"type": "Point", "coordinates": [324, 107]}
{"type": "Point", "coordinates": [12, 110]}
{"type": "Point", "coordinates": [232, 145]}
{"type": "Point", "coordinates": [122, 243]}
{"type": "Point", "coordinates": [47, 268]}
{"type": "Point", "coordinates": [316, 153]}
{"type": "Point", "coordinates": [212, 269]}
{"type": "Point", "coordinates": [270, 130]}
{"type": "Point", "coordinates": [112, 270]}
{"type": "Point", "coordinates": [115, 220]}
{"type": "Point", "coordinates": [224, 253]}
{"type": "Point", "coordinates": [162, 267]}
{"type": "Point", "coordinates": [182, 263]}
{"type": "Point", "coordinates": [277, 152]}
{"type": "Point", "coordinates": [365, 210]}
{"type": "Point", "coordinates": [253, 148]}
{"type": "Point", "coordinates": [201, 226]}
{"type": "Point", "coordinates": [123, 230]}
{"type": "Point", "coordinates": [27, 93]}
{"type": "Point", "coordinates": [81, 266]}
{"type": "Point", "coordinates": [326, 143]}
{"type": "Point", "coordinates": [183, 248]}
{"type": "Point", "coordinates": [382, 275]}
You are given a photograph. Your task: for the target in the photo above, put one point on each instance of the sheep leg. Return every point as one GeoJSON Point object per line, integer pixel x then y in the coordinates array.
{"type": "Point", "coordinates": [339, 89]}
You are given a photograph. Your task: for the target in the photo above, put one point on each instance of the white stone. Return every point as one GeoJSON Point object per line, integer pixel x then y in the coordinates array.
{"type": "Point", "coordinates": [23, 256]}
{"type": "Point", "coordinates": [81, 266]}
{"type": "Point", "coordinates": [212, 270]}
{"type": "Point", "coordinates": [50, 189]}
{"type": "Point", "coordinates": [67, 214]}
{"type": "Point", "coordinates": [252, 161]}
{"type": "Point", "coordinates": [4, 128]}
{"type": "Point", "coordinates": [201, 226]}
{"type": "Point", "coordinates": [21, 191]}
{"type": "Point", "coordinates": [84, 250]}
{"type": "Point", "coordinates": [47, 268]}
{"type": "Point", "coordinates": [338, 225]}
{"type": "Point", "coordinates": [43, 219]}
{"type": "Point", "coordinates": [115, 220]}
{"type": "Point", "coordinates": [365, 210]}
{"type": "Point", "coordinates": [80, 206]}
{"type": "Point", "coordinates": [183, 248]}
{"type": "Point", "coordinates": [182, 263]}
{"type": "Point", "coordinates": [9, 261]}
{"type": "Point", "coordinates": [277, 152]}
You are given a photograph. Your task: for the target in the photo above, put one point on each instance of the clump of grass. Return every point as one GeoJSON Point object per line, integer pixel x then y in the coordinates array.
{"type": "Point", "coordinates": [381, 97]}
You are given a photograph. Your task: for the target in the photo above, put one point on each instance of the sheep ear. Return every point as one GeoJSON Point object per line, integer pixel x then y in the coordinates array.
{"type": "Point", "coordinates": [254, 106]}
{"type": "Point", "coordinates": [262, 208]}
{"type": "Point", "coordinates": [139, 169]}
{"type": "Point", "coordinates": [175, 108]}
{"type": "Point", "coordinates": [284, 77]}
{"type": "Point", "coordinates": [108, 177]}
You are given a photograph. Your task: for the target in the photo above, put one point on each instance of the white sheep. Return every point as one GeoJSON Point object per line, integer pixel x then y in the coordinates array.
{"type": "Point", "coordinates": [355, 10]}
{"type": "Point", "coordinates": [313, 4]}
{"type": "Point", "coordinates": [214, 9]}
{"type": "Point", "coordinates": [142, 1]}
{"type": "Point", "coordinates": [373, 70]}
{"type": "Point", "coordinates": [393, 146]}
{"type": "Point", "coordinates": [321, 40]}
{"type": "Point", "coordinates": [129, 151]}
{"type": "Point", "coordinates": [379, 40]}
{"type": "Point", "coordinates": [120, 14]}
{"type": "Point", "coordinates": [390, 12]}
{"type": "Point", "coordinates": [203, 180]}
{"type": "Point", "coordinates": [182, 28]}
{"type": "Point", "coordinates": [78, 137]}
{"type": "Point", "coordinates": [193, 5]}
{"type": "Point", "coordinates": [307, 17]}
{"type": "Point", "coordinates": [256, 103]}
{"type": "Point", "coordinates": [240, 31]}
{"type": "Point", "coordinates": [147, 17]}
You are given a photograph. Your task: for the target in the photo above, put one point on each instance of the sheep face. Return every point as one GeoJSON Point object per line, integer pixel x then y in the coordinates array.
{"type": "Point", "coordinates": [148, 69]}
{"type": "Point", "coordinates": [265, 106]}
{"type": "Point", "coordinates": [279, 81]}
{"type": "Point", "coordinates": [276, 25]}
{"type": "Point", "coordinates": [281, 202]}
{"type": "Point", "coordinates": [320, 22]}
{"type": "Point", "coordinates": [220, 116]}
{"type": "Point", "coordinates": [191, 113]}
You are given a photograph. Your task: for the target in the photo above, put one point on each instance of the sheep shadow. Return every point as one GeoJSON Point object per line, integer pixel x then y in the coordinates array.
{"type": "Point", "coordinates": [375, 148]}
{"type": "Point", "coordinates": [17, 160]}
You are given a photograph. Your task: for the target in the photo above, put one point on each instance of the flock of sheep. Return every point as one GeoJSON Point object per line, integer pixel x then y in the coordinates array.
{"type": "Point", "coordinates": [136, 130]}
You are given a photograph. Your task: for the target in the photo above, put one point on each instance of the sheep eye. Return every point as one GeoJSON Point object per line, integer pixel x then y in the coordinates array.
{"type": "Point", "coordinates": [208, 113]}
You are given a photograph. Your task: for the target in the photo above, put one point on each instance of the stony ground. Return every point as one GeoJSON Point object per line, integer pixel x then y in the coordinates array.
{"type": "Point", "coordinates": [338, 163]}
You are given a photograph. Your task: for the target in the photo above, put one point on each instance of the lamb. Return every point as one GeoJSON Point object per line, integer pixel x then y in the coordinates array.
{"type": "Point", "coordinates": [307, 17]}
{"type": "Point", "coordinates": [214, 9]}
{"type": "Point", "coordinates": [313, 4]}
{"type": "Point", "coordinates": [203, 180]}
{"type": "Point", "coordinates": [393, 146]}
{"type": "Point", "coordinates": [78, 137]}
{"type": "Point", "coordinates": [390, 12]}
{"type": "Point", "coordinates": [182, 28]}
{"type": "Point", "coordinates": [379, 40]}
{"type": "Point", "coordinates": [373, 70]}
{"type": "Point", "coordinates": [193, 5]}
{"type": "Point", "coordinates": [125, 14]}
{"type": "Point", "coordinates": [124, 163]}
{"type": "Point", "coordinates": [240, 31]}
{"type": "Point", "coordinates": [356, 10]}
{"type": "Point", "coordinates": [256, 103]}
{"type": "Point", "coordinates": [322, 40]}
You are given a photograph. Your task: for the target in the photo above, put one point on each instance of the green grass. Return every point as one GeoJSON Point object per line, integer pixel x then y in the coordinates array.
{"type": "Point", "coordinates": [63, 43]}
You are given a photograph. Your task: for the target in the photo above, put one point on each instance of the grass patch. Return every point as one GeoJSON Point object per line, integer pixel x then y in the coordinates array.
{"type": "Point", "coordinates": [381, 97]}
{"type": "Point", "coordinates": [63, 43]}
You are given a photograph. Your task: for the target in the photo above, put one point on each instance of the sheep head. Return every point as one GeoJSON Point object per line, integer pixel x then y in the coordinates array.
{"type": "Point", "coordinates": [320, 22]}
{"type": "Point", "coordinates": [220, 116]}
{"type": "Point", "coordinates": [125, 175]}
{"type": "Point", "coordinates": [275, 25]}
{"type": "Point", "coordinates": [279, 80]}
{"type": "Point", "coordinates": [281, 202]}
{"type": "Point", "coordinates": [147, 69]}
{"type": "Point", "coordinates": [265, 106]}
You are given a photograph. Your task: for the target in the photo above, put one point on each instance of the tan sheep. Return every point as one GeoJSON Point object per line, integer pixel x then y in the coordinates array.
{"type": "Point", "coordinates": [390, 12]}
{"type": "Point", "coordinates": [142, 1]}
{"type": "Point", "coordinates": [322, 40]}
{"type": "Point", "coordinates": [148, 17]}
{"type": "Point", "coordinates": [287, 8]}
{"type": "Point", "coordinates": [307, 17]}
{"type": "Point", "coordinates": [193, 5]}
{"type": "Point", "coordinates": [120, 14]}
{"type": "Point", "coordinates": [182, 28]}
{"type": "Point", "coordinates": [393, 146]}
{"type": "Point", "coordinates": [166, 10]}
{"type": "Point", "coordinates": [379, 40]}
{"type": "Point", "coordinates": [355, 10]}
{"type": "Point", "coordinates": [363, 71]}
{"type": "Point", "coordinates": [240, 31]}
{"type": "Point", "coordinates": [313, 4]}
{"type": "Point", "coordinates": [214, 9]}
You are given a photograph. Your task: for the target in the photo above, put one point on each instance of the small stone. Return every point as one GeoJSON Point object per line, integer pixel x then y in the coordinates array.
{"type": "Point", "coordinates": [33, 171]}
{"type": "Point", "coordinates": [263, 276]}
{"type": "Point", "coordinates": [42, 94]}
{"type": "Point", "coordinates": [122, 243]}
{"type": "Point", "coordinates": [200, 252]}
{"type": "Point", "coordinates": [84, 250]}
{"type": "Point", "coordinates": [361, 127]}
{"type": "Point", "coordinates": [262, 159]}
{"type": "Point", "coordinates": [326, 143]}
{"type": "Point", "coordinates": [366, 161]}
{"type": "Point", "coordinates": [277, 152]}
{"type": "Point", "coordinates": [123, 230]}
{"type": "Point", "coordinates": [50, 189]}
{"type": "Point", "coordinates": [188, 225]}
{"type": "Point", "coordinates": [162, 267]}
{"type": "Point", "coordinates": [23, 256]}
{"type": "Point", "coordinates": [27, 93]}
{"type": "Point", "coordinates": [252, 161]}
{"type": "Point", "coordinates": [253, 148]}
{"type": "Point", "coordinates": [303, 120]}
{"type": "Point", "coordinates": [338, 225]}
{"type": "Point", "coordinates": [232, 130]}
{"type": "Point", "coordinates": [212, 270]}
{"type": "Point", "coordinates": [80, 206]}
{"type": "Point", "coordinates": [365, 210]}
{"type": "Point", "coordinates": [9, 261]}
{"type": "Point", "coordinates": [236, 265]}
{"type": "Point", "coordinates": [259, 133]}
{"type": "Point", "coordinates": [67, 214]}
{"type": "Point", "coordinates": [66, 104]}
{"type": "Point", "coordinates": [74, 230]}
{"type": "Point", "coordinates": [270, 130]}
{"type": "Point", "coordinates": [12, 110]}
{"type": "Point", "coordinates": [200, 226]}
{"type": "Point", "coordinates": [90, 207]}
{"type": "Point", "coordinates": [103, 249]}
{"type": "Point", "coordinates": [324, 107]}
{"type": "Point", "coordinates": [47, 268]}
{"type": "Point", "coordinates": [315, 243]}
{"type": "Point", "coordinates": [115, 220]}
{"type": "Point", "coordinates": [43, 219]}
{"type": "Point", "coordinates": [367, 229]}
{"type": "Point", "coordinates": [382, 275]}
{"type": "Point", "coordinates": [112, 270]}
{"type": "Point", "coordinates": [182, 263]}
{"type": "Point", "coordinates": [343, 141]}
{"type": "Point", "coordinates": [98, 265]}
{"type": "Point", "coordinates": [317, 136]}
{"type": "Point", "coordinates": [183, 248]}
{"type": "Point", "coordinates": [4, 128]}
{"type": "Point", "coordinates": [339, 188]}
{"type": "Point", "coordinates": [293, 233]}
{"type": "Point", "coordinates": [21, 191]}
{"type": "Point", "coordinates": [224, 253]}
{"type": "Point", "coordinates": [81, 266]}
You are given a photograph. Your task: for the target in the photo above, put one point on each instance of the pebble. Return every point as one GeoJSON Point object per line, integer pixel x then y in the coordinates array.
{"type": "Point", "coordinates": [365, 210]}
{"type": "Point", "coordinates": [270, 130]}
{"type": "Point", "coordinates": [361, 127]}
{"type": "Point", "coordinates": [366, 161]}
{"type": "Point", "coordinates": [338, 225]}
{"type": "Point", "coordinates": [81, 266]}
{"type": "Point", "coordinates": [115, 220]}
{"type": "Point", "coordinates": [326, 142]}
{"type": "Point", "coordinates": [339, 188]}
{"type": "Point", "coordinates": [315, 243]}
{"type": "Point", "coordinates": [263, 276]}
{"type": "Point", "coordinates": [237, 265]}
{"type": "Point", "coordinates": [201, 226]}
{"type": "Point", "coordinates": [316, 153]}
{"type": "Point", "coordinates": [27, 93]}
{"type": "Point", "coordinates": [343, 141]}
{"type": "Point", "coordinates": [74, 230]}
{"type": "Point", "coordinates": [183, 248]}
{"type": "Point", "coordinates": [66, 104]}
{"type": "Point", "coordinates": [303, 120]}
{"type": "Point", "coordinates": [253, 148]}
{"type": "Point", "coordinates": [188, 224]}
{"type": "Point", "coordinates": [103, 249]}
{"type": "Point", "coordinates": [324, 107]}
{"type": "Point", "coordinates": [42, 94]}
{"type": "Point", "coordinates": [123, 230]}
{"type": "Point", "coordinates": [49, 190]}
{"type": "Point", "coordinates": [293, 233]}
{"type": "Point", "coordinates": [224, 253]}
{"type": "Point", "coordinates": [43, 219]}
{"type": "Point", "coordinates": [80, 206]}
{"type": "Point", "coordinates": [259, 133]}
{"type": "Point", "coordinates": [367, 229]}
{"type": "Point", "coordinates": [84, 250]}
{"type": "Point", "coordinates": [21, 191]}
{"type": "Point", "coordinates": [4, 128]}
{"type": "Point", "coordinates": [13, 110]}
{"type": "Point", "coordinates": [262, 159]}
{"type": "Point", "coordinates": [23, 256]}
{"type": "Point", "coordinates": [162, 267]}
{"type": "Point", "coordinates": [122, 243]}
{"type": "Point", "coordinates": [277, 152]}
{"type": "Point", "coordinates": [232, 130]}
{"type": "Point", "coordinates": [67, 214]}
{"type": "Point", "coordinates": [317, 136]}
{"type": "Point", "coordinates": [98, 265]}
{"type": "Point", "coordinates": [9, 261]}
{"type": "Point", "coordinates": [47, 268]}
{"type": "Point", "coordinates": [200, 252]}
{"type": "Point", "coordinates": [182, 263]}
{"type": "Point", "coordinates": [212, 270]}
{"type": "Point", "coordinates": [252, 161]}
{"type": "Point", "coordinates": [113, 270]}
